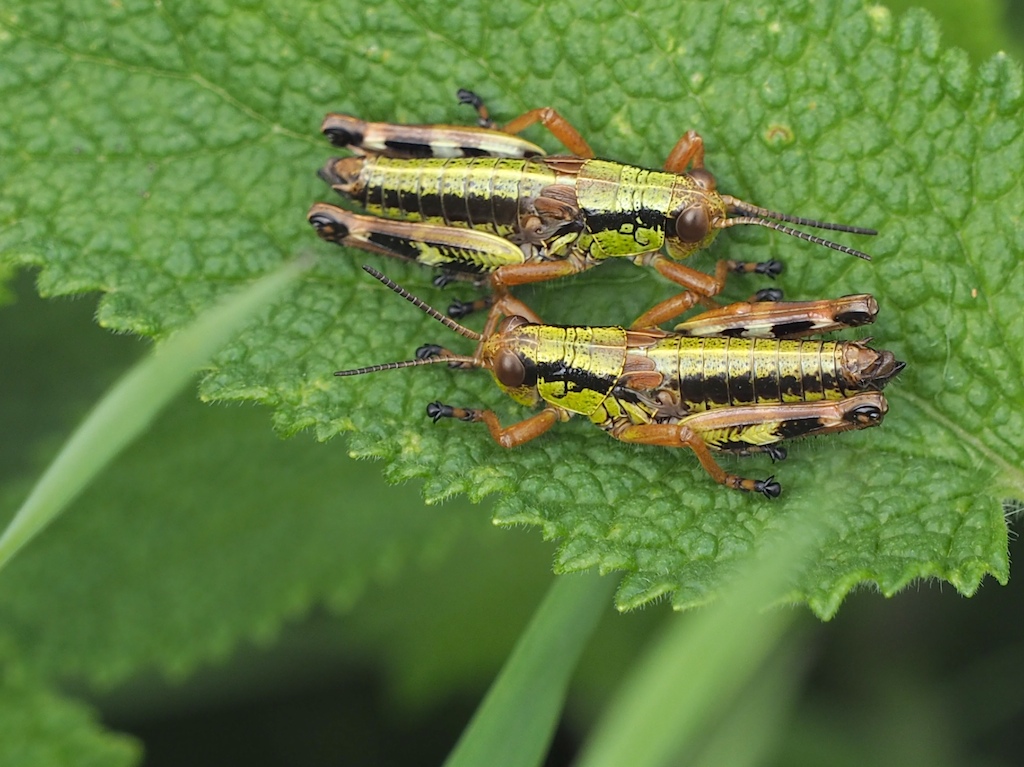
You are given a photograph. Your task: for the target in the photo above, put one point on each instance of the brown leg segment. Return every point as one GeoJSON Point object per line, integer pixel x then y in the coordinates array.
{"type": "Point", "coordinates": [559, 127]}
{"type": "Point", "coordinates": [783, 319]}
{"type": "Point", "coordinates": [504, 277]}
{"type": "Point", "coordinates": [507, 306]}
{"type": "Point", "coordinates": [509, 436]}
{"type": "Point", "coordinates": [689, 149]}
{"type": "Point", "coordinates": [680, 435]}
{"type": "Point", "coordinates": [699, 282]}
{"type": "Point", "coordinates": [699, 286]}
{"type": "Point", "coordinates": [510, 306]}
{"type": "Point", "coordinates": [753, 428]}
{"type": "Point", "coordinates": [666, 310]}
{"type": "Point", "coordinates": [524, 274]}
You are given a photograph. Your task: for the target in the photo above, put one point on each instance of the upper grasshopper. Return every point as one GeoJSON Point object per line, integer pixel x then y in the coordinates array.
{"type": "Point", "coordinates": [480, 201]}
{"type": "Point", "coordinates": [736, 379]}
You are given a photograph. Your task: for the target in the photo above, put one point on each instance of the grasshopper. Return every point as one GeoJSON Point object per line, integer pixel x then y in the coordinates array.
{"type": "Point", "coordinates": [481, 202]}
{"type": "Point", "coordinates": [737, 379]}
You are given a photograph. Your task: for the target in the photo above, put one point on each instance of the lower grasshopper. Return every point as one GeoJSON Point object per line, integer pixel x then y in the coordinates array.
{"type": "Point", "coordinates": [736, 379]}
{"type": "Point", "coordinates": [481, 202]}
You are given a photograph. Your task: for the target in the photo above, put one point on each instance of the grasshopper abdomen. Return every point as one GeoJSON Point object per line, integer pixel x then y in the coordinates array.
{"type": "Point", "coordinates": [489, 194]}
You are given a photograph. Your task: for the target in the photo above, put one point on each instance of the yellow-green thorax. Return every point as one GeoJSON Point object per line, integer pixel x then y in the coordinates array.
{"type": "Point", "coordinates": [629, 211]}
{"type": "Point", "coordinates": [574, 368]}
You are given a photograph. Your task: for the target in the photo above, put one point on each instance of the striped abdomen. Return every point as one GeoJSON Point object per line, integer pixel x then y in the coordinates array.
{"type": "Point", "coordinates": [484, 193]}
{"type": "Point", "coordinates": [715, 372]}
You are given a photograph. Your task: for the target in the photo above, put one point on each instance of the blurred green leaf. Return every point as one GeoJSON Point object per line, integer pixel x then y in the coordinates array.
{"type": "Point", "coordinates": [749, 731]}
{"type": "Point", "coordinates": [6, 277]}
{"type": "Point", "coordinates": [151, 571]}
{"type": "Point", "coordinates": [196, 129]}
{"type": "Point", "coordinates": [208, 531]}
{"type": "Point", "coordinates": [131, 404]}
{"type": "Point", "coordinates": [979, 27]}
{"type": "Point", "coordinates": [39, 728]}
{"type": "Point", "coordinates": [700, 662]}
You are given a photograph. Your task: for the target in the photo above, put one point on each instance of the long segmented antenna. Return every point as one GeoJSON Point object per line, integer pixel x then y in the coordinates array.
{"type": "Point", "coordinates": [430, 311]}
{"type": "Point", "coordinates": [755, 214]}
{"type": "Point", "coordinates": [740, 220]}
{"type": "Point", "coordinates": [739, 206]}
{"type": "Point", "coordinates": [407, 364]}
{"type": "Point", "coordinates": [419, 304]}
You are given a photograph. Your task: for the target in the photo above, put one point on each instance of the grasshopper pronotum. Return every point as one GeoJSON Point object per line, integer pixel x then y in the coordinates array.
{"type": "Point", "coordinates": [737, 379]}
{"type": "Point", "coordinates": [479, 201]}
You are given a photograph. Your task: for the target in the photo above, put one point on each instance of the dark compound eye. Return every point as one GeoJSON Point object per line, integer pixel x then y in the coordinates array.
{"type": "Point", "coordinates": [693, 224]}
{"type": "Point", "coordinates": [509, 369]}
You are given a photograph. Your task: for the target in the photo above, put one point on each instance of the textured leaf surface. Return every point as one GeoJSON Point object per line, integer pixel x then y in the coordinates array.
{"type": "Point", "coordinates": [164, 154]}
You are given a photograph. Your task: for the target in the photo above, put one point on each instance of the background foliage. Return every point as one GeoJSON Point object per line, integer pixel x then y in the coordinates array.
{"type": "Point", "coordinates": [152, 153]}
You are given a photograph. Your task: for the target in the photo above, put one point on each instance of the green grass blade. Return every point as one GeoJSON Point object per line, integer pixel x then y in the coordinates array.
{"type": "Point", "coordinates": [515, 722]}
{"type": "Point", "coordinates": [699, 663]}
{"type": "Point", "coordinates": [749, 732]}
{"type": "Point", "coordinates": [133, 402]}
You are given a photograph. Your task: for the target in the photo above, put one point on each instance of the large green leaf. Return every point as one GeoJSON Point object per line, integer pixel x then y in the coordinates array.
{"type": "Point", "coordinates": [163, 154]}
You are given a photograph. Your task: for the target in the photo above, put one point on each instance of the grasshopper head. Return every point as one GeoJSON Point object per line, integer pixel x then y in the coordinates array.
{"type": "Point", "coordinates": [695, 221]}
{"type": "Point", "coordinates": [509, 353]}
{"type": "Point", "coordinates": [702, 212]}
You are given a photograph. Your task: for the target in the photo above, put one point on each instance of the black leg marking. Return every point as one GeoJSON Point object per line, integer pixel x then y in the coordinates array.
{"type": "Point", "coordinates": [444, 279]}
{"type": "Point", "coordinates": [328, 228]}
{"type": "Point", "coordinates": [769, 488]}
{"type": "Point", "coordinates": [428, 351]}
{"type": "Point", "coordinates": [459, 309]}
{"type": "Point", "coordinates": [438, 410]}
{"type": "Point", "coordinates": [769, 294]}
{"type": "Point", "coordinates": [866, 415]}
{"type": "Point", "coordinates": [342, 137]}
{"type": "Point", "coordinates": [483, 116]}
{"type": "Point", "coordinates": [854, 319]}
